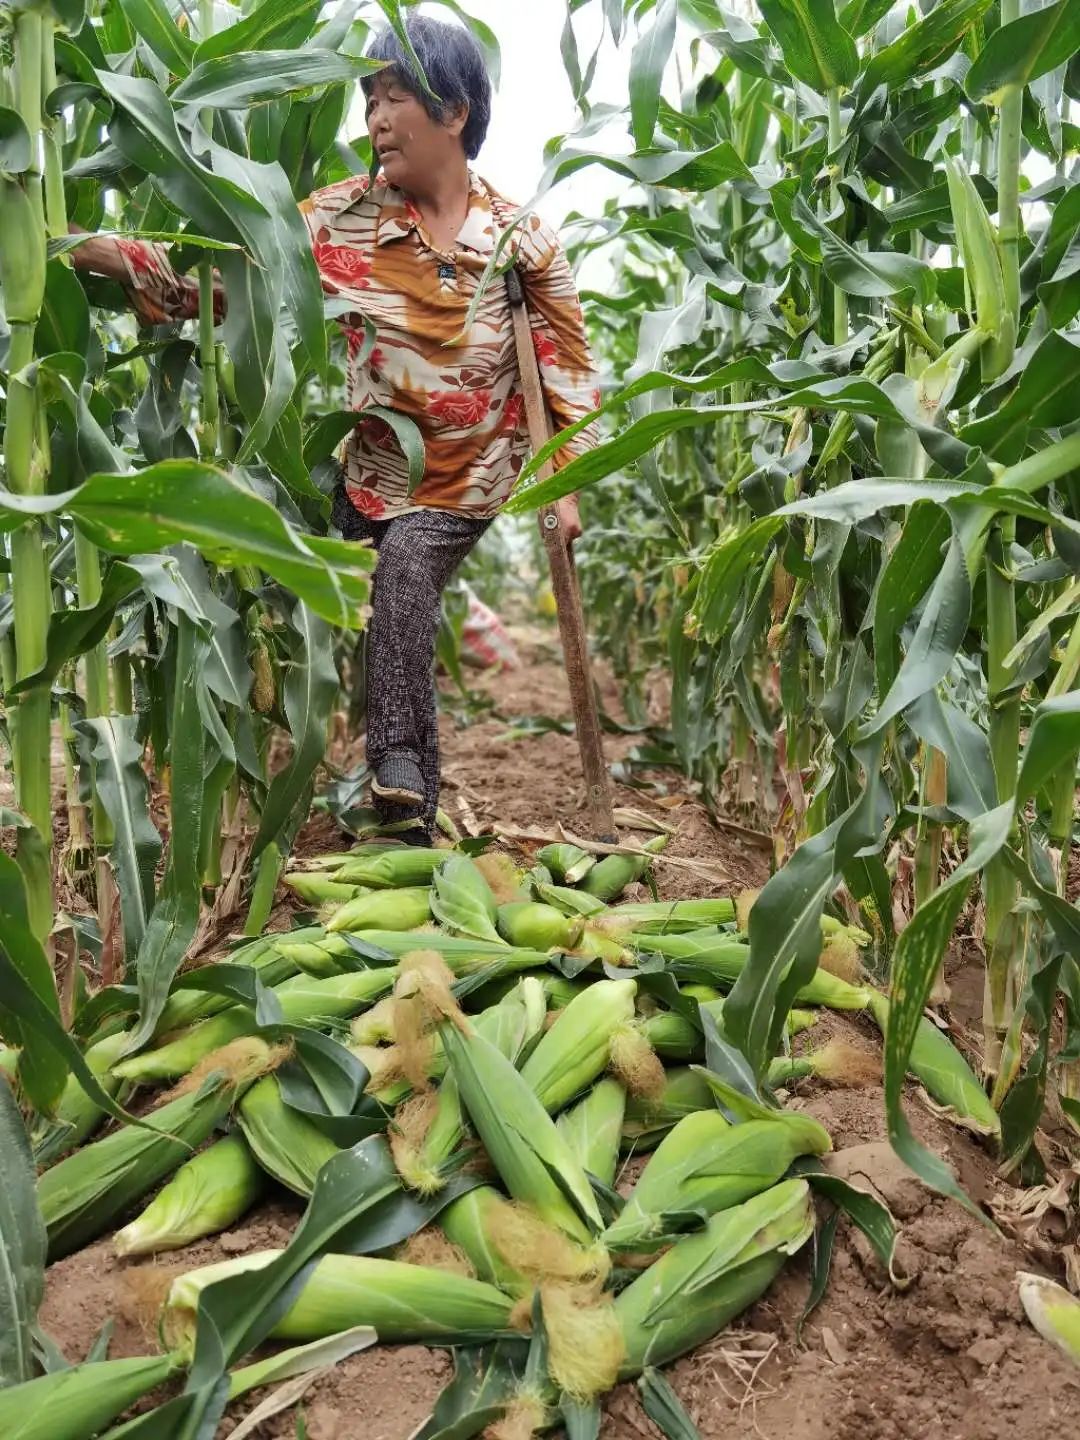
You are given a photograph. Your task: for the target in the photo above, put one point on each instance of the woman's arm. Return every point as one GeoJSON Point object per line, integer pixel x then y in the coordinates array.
{"type": "Point", "coordinates": [157, 294]}
{"type": "Point", "coordinates": [567, 372]}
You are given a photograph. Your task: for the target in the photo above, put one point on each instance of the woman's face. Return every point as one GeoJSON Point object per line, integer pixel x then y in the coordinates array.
{"type": "Point", "coordinates": [411, 146]}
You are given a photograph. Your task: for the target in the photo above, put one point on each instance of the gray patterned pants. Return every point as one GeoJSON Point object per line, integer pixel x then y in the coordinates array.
{"type": "Point", "coordinates": [418, 553]}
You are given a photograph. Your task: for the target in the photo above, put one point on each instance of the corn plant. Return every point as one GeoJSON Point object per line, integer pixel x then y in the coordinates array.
{"type": "Point", "coordinates": [843, 442]}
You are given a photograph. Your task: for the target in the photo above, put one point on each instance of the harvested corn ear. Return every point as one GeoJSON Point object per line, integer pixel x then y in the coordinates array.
{"type": "Point", "coordinates": [463, 901]}
{"type": "Point", "coordinates": [610, 876]}
{"type": "Point", "coordinates": [383, 910]}
{"type": "Point", "coordinates": [538, 927]}
{"type": "Point", "coordinates": [568, 863]}
{"type": "Point", "coordinates": [593, 1128]}
{"type": "Point", "coordinates": [205, 1196]}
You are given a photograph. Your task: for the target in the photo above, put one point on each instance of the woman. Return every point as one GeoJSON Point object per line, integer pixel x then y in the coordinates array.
{"type": "Point", "coordinates": [407, 251]}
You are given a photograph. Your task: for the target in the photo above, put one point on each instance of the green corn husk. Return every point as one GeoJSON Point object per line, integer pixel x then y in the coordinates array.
{"type": "Point", "coordinates": [538, 927]}
{"type": "Point", "coordinates": [568, 863]}
{"type": "Point", "coordinates": [77, 1403]}
{"type": "Point", "coordinates": [708, 1278]}
{"type": "Point", "coordinates": [712, 957]}
{"type": "Point", "coordinates": [1054, 1313]}
{"type": "Point", "coordinates": [289, 1147]}
{"type": "Point", "coordinates": [304, 1001]}
{"type": "Point", "coordinates": [77, 1116]}
{"type": "Point", "coordinates": [706, 1165]}
{"type": "Point", "coordinates": [531, 1157]}
{"type": "Point", "coordinates": [86, 1192]}
{"type": "Point", "coordinates": [204, 1197]}
{"type": "Point", "coordinates": [577, 1048]}
{"type": "Point", "coordinates": [9, 1062]}
{"type": "Point", "coordinates": [468, 1223]}
{"type": "Point", "coordinates": [649, 1118]}
{"type": "Point", "coordinates": [609, 878]}
{"type": "Point", "coordinates": [383, 910]}
{"type": "Point", "coordinates": [942, 1071]}
{"type": "Point", "coordinates": [319, 889]}
{"type": "Point", "coordinates": [185, 1007]}
{"type": "Point", "coordinates": [593, 1129]}
{"type": "Point", "coordinates": [403, 867]}
{"type": "Point", "coordinates": [597, 944]}
{"type": "Point", "coordinates": [401, 1302]}
{"type": "Point", "coordinates": [558, 990]}
{"type": "Point", "coordinates": [463, 955]}
{"type": "Point", "coordinates": [672, 1036]}
{"type": "Point", "coordinates": [462, 900]}
{"type": "Point", "coordinates": [568, 900]}
{"type": "Point", "coordinates": [423, 1159]}
{"type": "Point", "coordinates": [670, 917]}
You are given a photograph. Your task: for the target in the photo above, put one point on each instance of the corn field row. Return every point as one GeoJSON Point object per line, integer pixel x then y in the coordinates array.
{"type": "Point", "coordinates": [836, 501]}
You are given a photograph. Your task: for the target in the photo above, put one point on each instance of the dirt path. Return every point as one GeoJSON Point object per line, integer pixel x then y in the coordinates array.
{"type": "Point", "coordinates": [950, 1357]}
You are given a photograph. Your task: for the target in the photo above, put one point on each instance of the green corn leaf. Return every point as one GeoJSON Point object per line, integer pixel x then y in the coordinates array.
{"type": "Point", "coordinates": [1021, 51]}
{"type": "Point", "coordinates": [817, 49]}
{"type": "Point", "coordinates": [648, 60]}
{"type": "Point", "coordinates": [22, 1238]}
{"type": "Point", "coordinates": [233, 82]}
{"type": "Point", "coordinates": [924, 45]}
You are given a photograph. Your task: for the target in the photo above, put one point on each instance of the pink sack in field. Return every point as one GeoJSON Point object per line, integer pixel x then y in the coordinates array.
{"type": "Point", "coordinates": [485, 640]}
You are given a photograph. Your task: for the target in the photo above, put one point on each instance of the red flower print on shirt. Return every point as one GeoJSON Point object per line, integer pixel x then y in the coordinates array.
{"type": "Point", "coordinates": [139, 256]}
{"type": "Point", "coordinates": [366, 501]}
{"type": "Point", "coordinates": [377, 433]}
{"type": "Point", "coordinates": [546, 350]}
{"type": "Point", "coordinates": [596, 398]}
{"type": "Point", "coordinates": [377, 359]}
{"type": "Point", "coordinates": [512, 413]}
{"type": "Point", "coordinates": [342, 265]}
{"type": "Point", "coordinates": [460, 407]}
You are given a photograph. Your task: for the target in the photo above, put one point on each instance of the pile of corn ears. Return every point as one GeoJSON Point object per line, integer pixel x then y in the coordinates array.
{"type": "Point", "coordinates": [626, 1199]}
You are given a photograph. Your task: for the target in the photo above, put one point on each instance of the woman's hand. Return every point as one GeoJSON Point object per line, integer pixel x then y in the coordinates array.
{"type": "Point", "coordinates": [569, 519]}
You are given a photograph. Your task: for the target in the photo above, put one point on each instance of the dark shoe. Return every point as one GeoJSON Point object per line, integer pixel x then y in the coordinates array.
{"type": "Point", "coordinates": [398, 781]}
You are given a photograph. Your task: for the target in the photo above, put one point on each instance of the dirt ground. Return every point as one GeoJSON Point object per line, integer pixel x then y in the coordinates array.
{"type": "Point", "coordinates": [949, 1357]}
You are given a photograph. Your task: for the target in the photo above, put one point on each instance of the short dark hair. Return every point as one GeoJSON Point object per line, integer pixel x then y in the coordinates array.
{"type": "Point", "coordinates": [454, 65]}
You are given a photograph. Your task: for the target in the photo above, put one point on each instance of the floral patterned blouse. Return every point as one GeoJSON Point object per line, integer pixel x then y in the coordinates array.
{"type": "Point", "coordinates": [373, 252]}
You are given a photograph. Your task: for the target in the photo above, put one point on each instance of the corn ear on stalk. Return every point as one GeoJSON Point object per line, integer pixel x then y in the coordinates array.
{"type": "Point", "coordinates": [399, 868]}
{"type": "Point", "coordinates": [532, 1158]}
{"type": "Point", "coordinates": [77, 1117]}
{"type": "Point", "coordinates": [463, 901]}
{"type": "Point", "coordinates": [77, 1403]}
{"type": "Point", "coordinates": [706, 1165]}
{"type": "Point", "coordinates": [538, 927]}
{"type": "Point", "coordinates": [1054, 1313]}
{"type": "Point", "coordinates": [593, 1129]}
{"type": "Point", "coordinates": [205, 1196]}
{"type": "Point", "coordinates": [979, 250]}
{"type": "Point", "coordinates": [569, 864]}
{"type": "Point", "coordinates": [87, 1191]}
{"type": "Point", "coordinates": [402, 909]}
{"type": "Point", "coordinates": [649, 1117]}
{"type": "Point", "coordinates": [610, 877]}
{"type": "Point", "coordinates": [286, 1144]}
{"type": "Point", "coordinates": [943, 1072]}
{"type": "Point", "coordinates": [304, 1000]}
{"type": "Point", "coordinates": [401, 1302]}
{"type": "Point", "coordinates": [708, 1278]}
